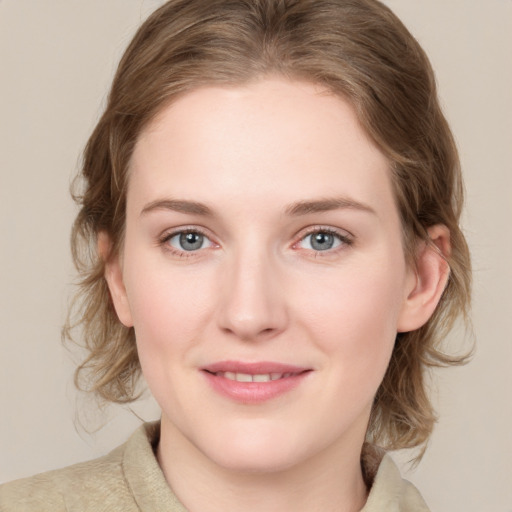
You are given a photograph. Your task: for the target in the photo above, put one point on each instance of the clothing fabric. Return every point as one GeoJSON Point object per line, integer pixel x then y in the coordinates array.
{"type": "Point", "coordinates": [129, 479]}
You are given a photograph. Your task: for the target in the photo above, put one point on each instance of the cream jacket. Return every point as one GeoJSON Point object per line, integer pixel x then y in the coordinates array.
{"type": "Point", "coordinates": [129, 479]}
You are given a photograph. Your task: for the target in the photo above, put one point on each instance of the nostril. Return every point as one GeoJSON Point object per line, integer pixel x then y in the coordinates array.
{"type": "Point", "coordinates": [252, 306]}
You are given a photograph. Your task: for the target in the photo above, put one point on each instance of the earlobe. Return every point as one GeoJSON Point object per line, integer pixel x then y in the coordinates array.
{"type": "Point", "coordinates": [114, 277]}
{"type": "Point", "coordinates": [431, 277]}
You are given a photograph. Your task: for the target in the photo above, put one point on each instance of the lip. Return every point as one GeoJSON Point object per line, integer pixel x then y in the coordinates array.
{"type": "Point", "coordinates": [254, 392]}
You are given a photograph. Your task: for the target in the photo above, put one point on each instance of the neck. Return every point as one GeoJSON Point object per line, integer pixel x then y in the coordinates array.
{"type": "Point", "coordinates": [332, 481]}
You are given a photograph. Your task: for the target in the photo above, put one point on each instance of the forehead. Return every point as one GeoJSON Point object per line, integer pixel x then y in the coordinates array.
{"type": "Point", "coordinates": [269, 139]}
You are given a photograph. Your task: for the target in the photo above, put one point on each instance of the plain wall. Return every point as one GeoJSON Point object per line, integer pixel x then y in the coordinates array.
{"type": "Point", "coordinates": [57, 58]}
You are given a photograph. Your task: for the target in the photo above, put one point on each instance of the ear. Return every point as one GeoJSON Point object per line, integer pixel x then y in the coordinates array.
{"type": "Point", "coordinates": [114, 278]}
{"type": "Point", "coordinates": [429, 279]}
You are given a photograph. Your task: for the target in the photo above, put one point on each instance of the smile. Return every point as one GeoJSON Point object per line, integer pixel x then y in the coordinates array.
{"type": "Point", "coordinates": [254, 383]}
{"type": "Point", "coordinates": [259, 377]}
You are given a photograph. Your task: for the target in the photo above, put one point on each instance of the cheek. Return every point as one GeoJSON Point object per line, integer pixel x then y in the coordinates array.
{"type": "Point", "coordinates": [353, 318]}
{"type": "Point", "coordinates": [170, 313]}
{"type": "Point", "coordinates": [169, 309]}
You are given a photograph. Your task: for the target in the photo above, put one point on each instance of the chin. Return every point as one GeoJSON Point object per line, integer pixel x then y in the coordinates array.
{"type": "Point", "coordinates": [256, 450]}
{"type": "Point", "coordinates": [251, 461]}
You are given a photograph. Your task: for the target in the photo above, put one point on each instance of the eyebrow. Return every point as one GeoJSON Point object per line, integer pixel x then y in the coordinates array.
{"type": "Point", "coordinates": [294, 209]}
{"type": "Point", "coordinates": [180, 206]}
{"type": "Point", "coordinates": [325, 205]}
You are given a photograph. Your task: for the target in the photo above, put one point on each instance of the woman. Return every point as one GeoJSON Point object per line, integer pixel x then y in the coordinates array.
{"type": "Point", "coordinates": [269, 233]}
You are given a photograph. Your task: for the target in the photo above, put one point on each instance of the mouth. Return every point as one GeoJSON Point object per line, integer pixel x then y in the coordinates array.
{"type": "Point", "coordinates": [258, 377]}
{"type": "Point", "coordinates": [254, 382]}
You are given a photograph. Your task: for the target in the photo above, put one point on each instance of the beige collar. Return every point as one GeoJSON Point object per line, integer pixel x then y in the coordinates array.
{"type": "Point", "coordinates": [389, 492]}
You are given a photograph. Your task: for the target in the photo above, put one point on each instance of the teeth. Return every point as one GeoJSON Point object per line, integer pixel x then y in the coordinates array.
{"type": "Point", "coordinates": [245, 377]}
{"type": "Point", "coordinates": [261, 378]}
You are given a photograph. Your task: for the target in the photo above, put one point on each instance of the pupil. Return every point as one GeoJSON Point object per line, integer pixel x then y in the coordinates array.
{"type": "Point", "coordinates": [322, 241]}
{"type": "Point", "coordinates": [191, 241]}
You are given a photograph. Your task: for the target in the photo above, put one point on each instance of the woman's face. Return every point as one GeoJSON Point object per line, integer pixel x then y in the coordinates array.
{"type": "Point", "coordinates": [263, 272]}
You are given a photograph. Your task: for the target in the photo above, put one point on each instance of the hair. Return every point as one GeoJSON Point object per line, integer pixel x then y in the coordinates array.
{"type": "Point", "coordinates": [356, 49]}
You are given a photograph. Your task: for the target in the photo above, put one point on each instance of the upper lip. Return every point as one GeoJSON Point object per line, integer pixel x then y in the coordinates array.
{"type": "Point", "coordinates": [255, 368]}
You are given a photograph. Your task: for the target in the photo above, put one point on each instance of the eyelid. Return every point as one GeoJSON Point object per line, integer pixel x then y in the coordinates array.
{"type": "Point", "coordinates": [346, 238]}
{"type": "Point", "coordinates": [166, 235]}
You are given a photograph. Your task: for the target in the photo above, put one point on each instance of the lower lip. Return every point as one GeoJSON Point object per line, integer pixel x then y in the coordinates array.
{"type": "Point", "coordinates": [254, 392]}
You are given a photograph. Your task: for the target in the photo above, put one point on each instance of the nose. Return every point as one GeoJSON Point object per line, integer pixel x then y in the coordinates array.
{"type": "Point", "coordinates": [252, 305]}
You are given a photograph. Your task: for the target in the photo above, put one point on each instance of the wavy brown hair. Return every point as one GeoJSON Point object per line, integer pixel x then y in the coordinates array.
{"type": "Point", "coordinates": [357, 49]}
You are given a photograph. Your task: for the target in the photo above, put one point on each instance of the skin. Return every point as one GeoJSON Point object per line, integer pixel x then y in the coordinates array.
{"type": "Point", "coordinates": [258, 290]}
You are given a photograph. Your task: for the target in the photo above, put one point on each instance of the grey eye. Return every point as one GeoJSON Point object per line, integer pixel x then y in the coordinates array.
{"type": "Point", "coordinates": [189, 241]}
{"type": "Point", "coordinates": [321, 241]}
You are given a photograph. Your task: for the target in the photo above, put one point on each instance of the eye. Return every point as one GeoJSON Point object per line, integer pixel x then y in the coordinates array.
{"type": "Point", "coordinates": [323, 240]}
{"type": "Point", "coordinates": [188, 241]}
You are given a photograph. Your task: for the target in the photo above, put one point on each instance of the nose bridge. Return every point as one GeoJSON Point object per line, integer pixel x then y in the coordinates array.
{"type": "Point", "coordinates": [252, 302]}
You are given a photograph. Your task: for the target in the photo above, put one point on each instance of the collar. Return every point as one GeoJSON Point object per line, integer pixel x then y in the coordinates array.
{"type": "Point", "coordinates": [151, 492]}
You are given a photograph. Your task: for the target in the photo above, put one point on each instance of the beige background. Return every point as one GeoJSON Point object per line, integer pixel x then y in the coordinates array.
{"type": "Point", "coordinates": [56, 60]}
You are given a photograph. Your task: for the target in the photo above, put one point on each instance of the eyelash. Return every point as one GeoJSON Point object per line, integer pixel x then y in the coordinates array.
{"type": "Point", "coordinates": [166, 237]}
{"type": "Point", "coordinates": [345, 240]}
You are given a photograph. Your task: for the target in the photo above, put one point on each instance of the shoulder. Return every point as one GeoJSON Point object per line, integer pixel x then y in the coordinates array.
{"type": "Point", "coordinates": [392, 493]}
{"type": "Point", "coordinates": [96, 485]}
{"type": "Point", "coordinates": [128, 479]}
